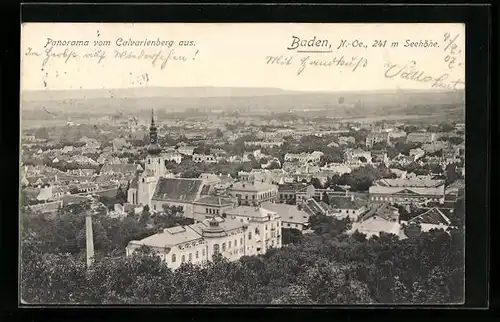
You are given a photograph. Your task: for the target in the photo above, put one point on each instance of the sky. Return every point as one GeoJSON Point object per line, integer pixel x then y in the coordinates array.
{"type": "Point", "coordinates": [237, 55]}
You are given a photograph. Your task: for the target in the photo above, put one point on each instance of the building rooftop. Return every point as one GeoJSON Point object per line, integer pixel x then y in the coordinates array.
{"type": "Point", "coordinates": [177, 235]}
{"type": "Point", "coordinates": [432, 216]}
{"type": "Point", "coordinates": [214, 201]}
{"type": "Point", "coordinates": [120, 168]}
{"type": "Point", "coordinates": [434, 191]}
{"type": "Point", "coordinates": [292, 186]}
{"type": "Point", "coordinates": [171, 237]}
{"type": "Point", "coordinates": [288, 213]}
{"type": "Point", "coordinates": [375, 227]}
{"type": "Point", "coordinates": [46, 207]}
{"type": "Point", "coordinates": [210, 177]}
{"type": "Point", "coordinates": [409, 183]}
{"type": "Point", "coordinates": [74, 199]}
{"type": "Point", "coordinates": [250, 212]}
{"type": "Point", "coordinates": [313, 207]}
{"type": "Point", "coordinates": [253, 186]}
{"type": "Point", "coordinates": [383, 210]}
{"type": "Point", "coordinates": [347, 202]}
{"type": "Point", "coordinates": [178, 189]}
{"type": "Point", "coordinates": [378, 134]}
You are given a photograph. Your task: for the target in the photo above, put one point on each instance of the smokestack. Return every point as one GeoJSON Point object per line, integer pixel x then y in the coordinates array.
{"type": "Point", "coordinates": [90, 239]}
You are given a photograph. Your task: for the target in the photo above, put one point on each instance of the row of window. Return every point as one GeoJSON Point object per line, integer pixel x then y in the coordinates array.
{"type": "Point", "coordinates": [262, 196]}
{"type": "Point", "coordinates": [401, 198]}
{"type": "Point", "coordinates": [229, 244]}
{"type": "Point", "coordinates": [216, 251]}
{"type": "Point", "coordinates": [212, 211]}
{"type": "Point", "coordinates": [203, 159]}
{"type": "Point", "coordinates": [194, 244]}
{"type": "Point", "coordinates": [190, 256]}
{"type": "Point", "coordinates": [293, 225]}
{"type": "Point", "coordinates": [287, 196]}
{"type": "Point", "coordinates": [347, 211]}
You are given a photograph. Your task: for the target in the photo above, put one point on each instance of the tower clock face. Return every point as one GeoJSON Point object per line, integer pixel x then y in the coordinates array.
{"type": "Point", "coordinates": [152, 140]}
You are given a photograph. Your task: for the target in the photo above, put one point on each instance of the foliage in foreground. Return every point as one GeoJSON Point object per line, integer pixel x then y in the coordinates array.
{"type": "Point", "coordinates": [318, 269]}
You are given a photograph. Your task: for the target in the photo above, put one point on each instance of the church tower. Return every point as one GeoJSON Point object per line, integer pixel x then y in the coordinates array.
{"type": "Point", "coordinates": [154, 168]}
{"type": "Point", "coordinates": [155, 162]}
{"type": "Point", "coordinates": [153, 148]}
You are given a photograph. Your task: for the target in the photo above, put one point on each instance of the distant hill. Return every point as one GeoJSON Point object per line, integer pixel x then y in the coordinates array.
{"type": "Point", "coordinates": [142, 92]}
{"type": "Point", "coordinates": [133, 101]}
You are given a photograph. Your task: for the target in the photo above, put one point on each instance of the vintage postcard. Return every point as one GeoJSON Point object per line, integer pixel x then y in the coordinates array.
{"type": "Point", "coordinates": [262, 163]}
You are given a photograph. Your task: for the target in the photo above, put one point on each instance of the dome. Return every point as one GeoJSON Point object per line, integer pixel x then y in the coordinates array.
{"type": "Point", "coordinates": [213, 229]}
{"type": "Point", "coordinates": [154, 148]}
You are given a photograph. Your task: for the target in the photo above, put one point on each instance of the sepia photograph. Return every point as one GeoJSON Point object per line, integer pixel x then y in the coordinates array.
{"type": "Point", "coordinates": [242, 164]}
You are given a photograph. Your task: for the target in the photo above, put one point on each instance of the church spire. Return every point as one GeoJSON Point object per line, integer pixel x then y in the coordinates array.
{"type": "Point", "coordinates": [154, 147]}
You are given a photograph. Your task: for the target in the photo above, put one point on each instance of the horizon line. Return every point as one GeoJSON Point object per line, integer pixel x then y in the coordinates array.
{"type": "Point", "coordinates": [246, 87]}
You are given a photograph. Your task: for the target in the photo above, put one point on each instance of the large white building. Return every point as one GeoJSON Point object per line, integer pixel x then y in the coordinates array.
{"type": "Point", "coordinates": [244, 232]}
{"type": "Point", "coordinates": [313, 157]}
{"type": "Point", "coordinates": [265, 226]}
{"type": "Point", "coordinates": [407, 190]}
{"type": "Point", "coordinates": [254, 193]}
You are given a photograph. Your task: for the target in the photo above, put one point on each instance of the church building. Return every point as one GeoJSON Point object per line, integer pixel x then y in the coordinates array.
{"type": "Point", "coordinates": [156, 186]}
{"type": "Point", "coordinates": [143, 186]}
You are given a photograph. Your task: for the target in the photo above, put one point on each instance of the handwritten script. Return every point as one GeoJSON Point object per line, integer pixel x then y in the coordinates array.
{"type": "Point", "coordinates": [158, 52]}
{"type": "Point", "coordinates": [302, 63]}
{"type": "Point", "coordinates": [356, 54]}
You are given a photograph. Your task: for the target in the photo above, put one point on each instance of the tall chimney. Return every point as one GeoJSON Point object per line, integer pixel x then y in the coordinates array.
{"type": "Point", "coordinates": [89, 239]}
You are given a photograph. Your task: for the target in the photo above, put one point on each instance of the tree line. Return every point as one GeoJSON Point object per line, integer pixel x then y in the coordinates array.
{"type": "Point", "coordinates": [325, 267]}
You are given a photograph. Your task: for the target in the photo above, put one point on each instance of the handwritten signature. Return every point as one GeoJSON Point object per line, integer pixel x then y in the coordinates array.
{"type": "Point", "coordinates": [410, 72]}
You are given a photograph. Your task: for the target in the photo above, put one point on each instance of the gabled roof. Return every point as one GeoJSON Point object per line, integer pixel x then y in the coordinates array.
{"type": "Point", "coordinates": [292, 186]}
{"type": "Point", "coordinates": [178, 189]}
{"type": "Point", "coordinates": [313, 207]}
{"type": "Point", "coordinates": [120, 168]}
{"type": "Point", "coordinates": [210, 177]}
{"type": "Point", "coordinates": [404, 192]}
{"type": "Point", "coordinates": [214, 201]}
{"type": "Point", "coordinates": [343, 202]}
{"type": "Point", "coordinates": [171, 237]}
{"type": "Point", "coordinates": [383, 210]}
{"type": "Point", "coordinates": [288, 213]}
{"type": "Point", "coordinates": [256, 186]}
{"type": "Point", "coordinates": [247, 211]}
{"type": "Point", "coordinates": [375, 227]}
{"type": "Point", "coordinates": [409, 183]}
{"type": "Point", "coordinates": [74, 199]}
{"type": "Point", "coordinates": [432, 216]}
{"type": "Point", "coordinates": [33, 180]}
{"type": "Point", "coordinates": [46, 207]}
{"type": "Point", "coordinates": [104, 178]}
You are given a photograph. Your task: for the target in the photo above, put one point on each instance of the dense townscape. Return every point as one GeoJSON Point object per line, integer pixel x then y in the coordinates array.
{"type": "Point", "coordinates": [275, 209]}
